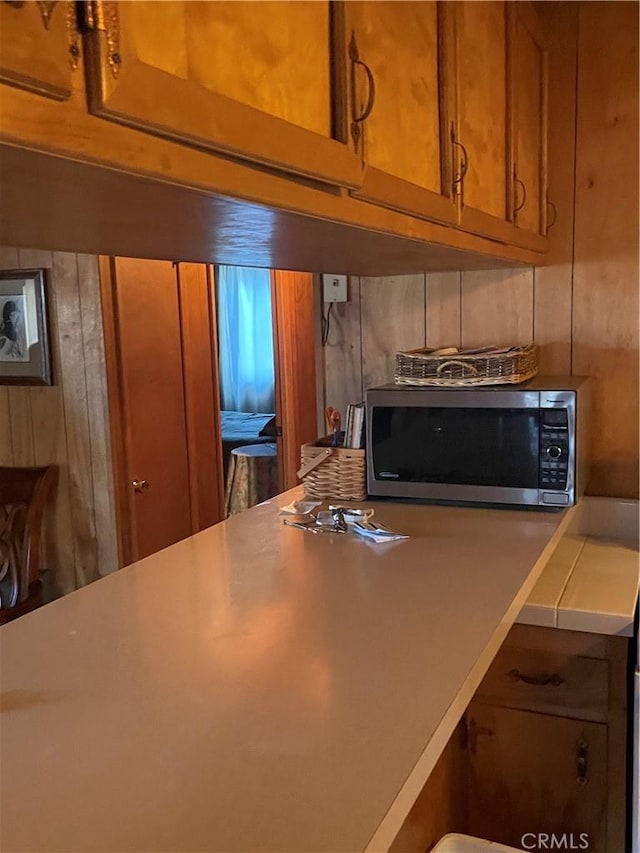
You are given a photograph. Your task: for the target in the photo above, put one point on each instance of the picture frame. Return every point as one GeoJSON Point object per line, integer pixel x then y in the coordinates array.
{"type": "Point", "coordinates": [24, 332]}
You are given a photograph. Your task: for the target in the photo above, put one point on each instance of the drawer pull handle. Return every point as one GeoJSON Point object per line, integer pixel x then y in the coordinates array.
{"type": "Point", "coordinates": [554, 680]}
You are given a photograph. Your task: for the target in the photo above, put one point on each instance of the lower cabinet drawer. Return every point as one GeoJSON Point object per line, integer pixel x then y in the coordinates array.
{"type": "Point", "coordinates": [548, 683]}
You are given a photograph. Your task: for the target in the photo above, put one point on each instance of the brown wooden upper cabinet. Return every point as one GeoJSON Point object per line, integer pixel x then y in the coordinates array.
{"type": "Point", "coordinates": [498, 134]}
{"type": "Point", "coordinates": [445, 103]}
{"type": "Point", "coordinates": [395, 105]}
{"type": "Point", "coordinates": [39, 46]}
{"type": "Point", "coordinates": [252, 80]}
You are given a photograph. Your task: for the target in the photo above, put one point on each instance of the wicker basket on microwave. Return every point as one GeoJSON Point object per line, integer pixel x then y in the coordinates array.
{"type": "Point", "coordinates": [333, 472]}
{"type": "Point", "coordinates": [451, 368]}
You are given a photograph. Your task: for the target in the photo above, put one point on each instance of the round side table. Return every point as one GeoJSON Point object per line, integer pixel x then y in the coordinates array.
{"type": "Point", "coordinates": [252, 477]}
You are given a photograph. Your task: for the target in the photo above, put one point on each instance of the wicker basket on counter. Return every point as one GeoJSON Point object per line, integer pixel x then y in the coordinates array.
{"type": "Point", "coordinates": [333, 472]}
{"type": "Point", "coordinates": [490, 366]}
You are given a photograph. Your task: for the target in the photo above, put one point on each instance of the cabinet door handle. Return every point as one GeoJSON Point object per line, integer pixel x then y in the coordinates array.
{"type": "Point", "coordinates": [464, 164]}
{"type": "Point", "coordinates": [518, 207]}
{"type": "Point", "coordinates": [554, 680]}
{"type": "Point", "coordinates": [553, 209]}
{"type": "Point", "coordinates": [140, 486]}
{"type": "Point", "coordinates": [582, 761]}
{"type": "Point", "coordinates": [365, 111]}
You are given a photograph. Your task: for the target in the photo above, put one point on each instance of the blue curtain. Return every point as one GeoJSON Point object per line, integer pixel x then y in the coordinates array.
{"type": "Point", "coordinates": [245, 342]}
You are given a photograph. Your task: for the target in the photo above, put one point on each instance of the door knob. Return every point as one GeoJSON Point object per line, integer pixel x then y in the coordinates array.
{"type": "Point", "coordinates": [140, 485]}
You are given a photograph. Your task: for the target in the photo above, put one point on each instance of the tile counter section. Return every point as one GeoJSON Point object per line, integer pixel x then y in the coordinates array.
{"type": "Point", "coordinates": [256, 687]}
{"type": "Point", "coordinates": [592, 579]}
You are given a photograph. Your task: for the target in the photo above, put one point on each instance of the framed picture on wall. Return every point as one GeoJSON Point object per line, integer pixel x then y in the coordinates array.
{"type": "Point", "coordinates": [24, 333]}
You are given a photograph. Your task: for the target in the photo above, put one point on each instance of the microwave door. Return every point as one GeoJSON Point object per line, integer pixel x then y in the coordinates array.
{"type": "Point", "coordinates": [457, 452]}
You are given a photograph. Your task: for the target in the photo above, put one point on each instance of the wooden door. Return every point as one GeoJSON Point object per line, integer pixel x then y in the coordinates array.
{"type": "Point", "coordinates": [196, 293]}
{"type": "Point", "coordinates": [534, 773]}
{"type": "Point", "coordinates": [397, 65]}
{"type": "Point", "coordinates": [164, 409]}
{"type": "Point", "coordinates": [251, 79]}
{"type": "Point", "coordinates": [39, 46]}
{"type": "Point", "coordinates": [152, 417]}
{"type": "Point", "coordinates": [529, 58]}
{"type": "Point", "coordinates": [294, 351]}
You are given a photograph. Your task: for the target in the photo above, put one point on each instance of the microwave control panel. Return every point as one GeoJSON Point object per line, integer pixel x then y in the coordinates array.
{"type": "Point", "coordinates": [554, 448]}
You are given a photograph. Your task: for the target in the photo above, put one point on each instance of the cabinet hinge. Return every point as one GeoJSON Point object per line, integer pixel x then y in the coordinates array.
{"type": "Point", "coordinates": [101, 16]}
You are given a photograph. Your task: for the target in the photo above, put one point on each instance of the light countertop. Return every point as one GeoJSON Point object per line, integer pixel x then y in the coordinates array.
{"type": "Point", "coordinates": [257, 687]}
{"type": "Point", "coordinates": [591, 580]}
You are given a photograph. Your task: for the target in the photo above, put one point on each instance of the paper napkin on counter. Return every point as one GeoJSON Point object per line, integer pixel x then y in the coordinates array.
{"type": "Point", "coordinates": [377, 533]}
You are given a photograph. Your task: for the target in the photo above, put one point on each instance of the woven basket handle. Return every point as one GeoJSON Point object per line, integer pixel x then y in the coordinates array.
{"type": "Point", "coordinates": [313, 463]}
{"type": "Point", "coordinates": [463, 364]}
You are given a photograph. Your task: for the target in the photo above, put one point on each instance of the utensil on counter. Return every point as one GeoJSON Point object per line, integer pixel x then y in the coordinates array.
{"type": "Point", "coordinates": [353, 514]}
{"type": "Point", "coordinates": [328, 416]}
{"type": "Point", "coordinates": [324, 522]}
{"type": "Point", "coordinates": [303, 525]}
{"type": "Point", "coordinates": [336, 420]}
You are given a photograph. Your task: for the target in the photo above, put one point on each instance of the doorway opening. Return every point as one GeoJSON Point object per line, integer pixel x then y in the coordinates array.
{"type": "Point", "coordinates": [247, 380]}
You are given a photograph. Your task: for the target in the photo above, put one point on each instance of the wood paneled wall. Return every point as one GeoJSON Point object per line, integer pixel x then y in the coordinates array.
{"type": "Point", "coordinates": [67, 424]}
{"type": "Point", "coordinates": [582, 308]}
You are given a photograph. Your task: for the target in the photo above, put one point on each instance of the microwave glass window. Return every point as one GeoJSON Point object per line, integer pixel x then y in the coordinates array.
{"type": "Point", "coordinates": [462, 446]}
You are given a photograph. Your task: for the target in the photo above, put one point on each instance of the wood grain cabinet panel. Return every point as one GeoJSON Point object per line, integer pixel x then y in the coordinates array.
{"type": "Point", "coordinates": [529, 61]}
{"type": "Point", "coordinates": [36, 40]}
{"type": "Point", "coordinates": [252, 80]}
{"type": "Point", "coordinates": [533, 773]}
{"type": "Point", "coordinates": [481, 34]}
{"type": "Point", "coordinates": [397, 106]}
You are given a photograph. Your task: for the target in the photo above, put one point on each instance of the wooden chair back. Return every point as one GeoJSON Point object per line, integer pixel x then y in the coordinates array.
{"type": "Point", "coordinates": [23, 496]}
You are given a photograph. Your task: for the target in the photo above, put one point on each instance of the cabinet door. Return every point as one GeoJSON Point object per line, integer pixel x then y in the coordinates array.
{"type": "Point", "coordinates": [533, 773]}
{"type": "Point", "coordinates": [39, 46]}
{"type": "Point", "coordinates": [529, 92]}
{"type": "Point", "coordinates": [397, 106]}
{"type": "Point", "coordinates": [249, 79]}
{"type": "Point", "coordinates": [480, 136]}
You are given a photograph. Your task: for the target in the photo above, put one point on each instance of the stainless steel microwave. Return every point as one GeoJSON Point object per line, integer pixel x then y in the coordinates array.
{"type": "Point", "coordinates": [507, 444]}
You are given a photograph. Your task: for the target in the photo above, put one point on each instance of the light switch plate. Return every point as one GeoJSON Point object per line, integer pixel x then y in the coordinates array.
{"type": "Point", "coordinates": [334, 287]}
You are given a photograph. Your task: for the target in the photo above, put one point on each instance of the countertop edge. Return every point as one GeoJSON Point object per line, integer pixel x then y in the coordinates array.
{"type": "Point", "coordinates": [415, 781]}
